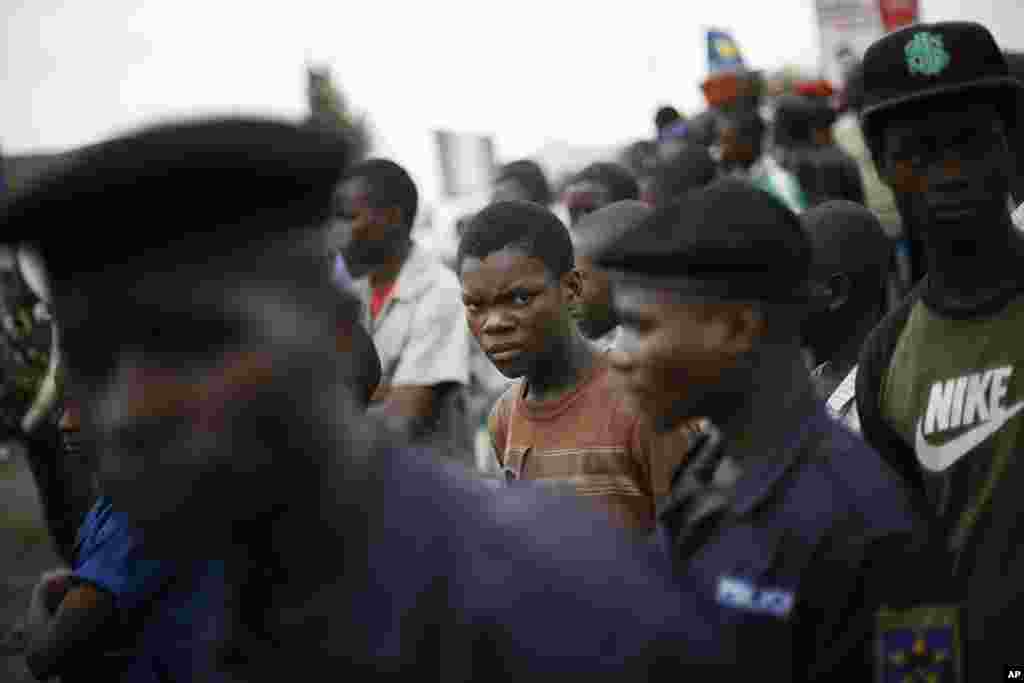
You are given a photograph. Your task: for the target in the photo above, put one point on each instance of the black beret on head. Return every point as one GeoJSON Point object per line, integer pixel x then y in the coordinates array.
{"type": "Point", "coordinates": [728, 241]}
{"type": "Point", "coordinates": [171, 196]}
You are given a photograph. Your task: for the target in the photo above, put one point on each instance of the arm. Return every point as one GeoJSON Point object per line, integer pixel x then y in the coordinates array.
{"type": "Point", "coordinates": [57, 639]}
{"type": "Point", "coordinates": [434, 361]}
{"type": "Point", "coordinates": [409, 409]}
{"type": "Point", "coordinates": [64, 482]}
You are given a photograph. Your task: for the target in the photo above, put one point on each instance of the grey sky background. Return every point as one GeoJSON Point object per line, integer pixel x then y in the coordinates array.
{"type": "Point", "coordinates": [528, 72]}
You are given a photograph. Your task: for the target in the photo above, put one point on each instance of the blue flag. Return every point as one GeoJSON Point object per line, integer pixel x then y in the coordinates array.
{"type": "Point", "coordinates": [723, 52]}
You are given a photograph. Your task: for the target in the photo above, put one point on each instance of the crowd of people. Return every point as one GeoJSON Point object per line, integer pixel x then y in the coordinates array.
{"type": "Point", "coordinates": [750, 411]}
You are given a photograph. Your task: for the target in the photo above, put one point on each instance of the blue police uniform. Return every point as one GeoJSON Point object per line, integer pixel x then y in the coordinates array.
{"type": "Point", "coordinates": [454, 581]}
{"type": "Point", "coordinates": [169, 613]}
{"type": "Point", "coordinates": [801, 541]}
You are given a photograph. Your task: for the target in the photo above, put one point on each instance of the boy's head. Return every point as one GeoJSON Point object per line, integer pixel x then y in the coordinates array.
{"type": "Point", "coordinates": [595, 313]}
{"type": "Point", "coordinates": [521, 180]}
{"type": "Point", "coordinates": [372, 215]}
{"type": "Point", "coordinates": [848, 273]}
{"type": "Point", "coordinates": [515, 263]}
{"type": "Point", "coordinates": [597, 186]}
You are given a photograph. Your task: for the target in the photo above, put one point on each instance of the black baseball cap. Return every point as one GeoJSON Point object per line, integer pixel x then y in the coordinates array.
{"type": "Point", "coordinates": [728, 241]}
{"type": "Point", "coordinates": [926, 61]}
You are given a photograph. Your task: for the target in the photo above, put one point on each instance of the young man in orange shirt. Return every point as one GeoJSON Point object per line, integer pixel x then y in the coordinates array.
{"type": "Point", "coordinates": [563, 422]}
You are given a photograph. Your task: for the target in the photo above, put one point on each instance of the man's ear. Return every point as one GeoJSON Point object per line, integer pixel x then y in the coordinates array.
{"type": "Point", "coordinates": [840, 287]}
{"type": "Point", "coordinates": [572, 286]}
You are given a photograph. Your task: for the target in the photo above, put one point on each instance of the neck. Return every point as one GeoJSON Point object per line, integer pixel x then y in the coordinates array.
{"type": "Point", "coordinates": [389, 270]}
{"type": "Point", "coordinates": [595, 329]}
{"type": "Point", "coordinates": [566, 367]}
{"type": "Point", "coordinates": [780, 382]}
{"type": "Point", "coordinates": [965, 273]}
{"type": "Point", "coordinates": [842, 360]}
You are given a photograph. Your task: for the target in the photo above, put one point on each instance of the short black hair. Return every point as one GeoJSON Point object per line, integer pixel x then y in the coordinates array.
{"type": "Point", "coordinates": [689, 168]}
{"type": "Point", "coordinates": [620, 182]}
{"type": "Point", "coordinates": [526, 226]}
{"type": "Point", "coordinates": [390, 185]}
{"type": "Point", "coordinates": [848, 239]}
{"type": "Point", "coordinates": [666, 116]}
{"type": "Point", "coordinates": [794, 118]}
{"type": "Point", "coordinates": [529, 174]}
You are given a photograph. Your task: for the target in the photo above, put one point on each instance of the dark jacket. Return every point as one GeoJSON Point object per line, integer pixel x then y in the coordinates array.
{"type": "Point", "coordinates": [814, 536]}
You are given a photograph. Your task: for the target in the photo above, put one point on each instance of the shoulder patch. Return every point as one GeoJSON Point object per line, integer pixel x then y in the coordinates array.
{"type": "Point", "coordinates": [918, 644]}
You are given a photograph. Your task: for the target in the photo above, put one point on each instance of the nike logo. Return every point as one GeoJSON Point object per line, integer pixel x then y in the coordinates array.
{"type": "Point", "coordinates": [939, 458]}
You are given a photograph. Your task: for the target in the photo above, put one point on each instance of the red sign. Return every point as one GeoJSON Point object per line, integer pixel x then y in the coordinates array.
{"type": "Point", "coordinates": [897, 13]}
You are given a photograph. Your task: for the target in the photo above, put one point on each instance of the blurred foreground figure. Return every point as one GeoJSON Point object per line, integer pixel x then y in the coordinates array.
{"type": "Point", "coordinates": [123, 611]}
{"type": "Point", "coordinates": [794, 526]}
{"type": "Point", "coordinates": [938, 390]}
{"type": "Point", "coordinates": [226, 431]}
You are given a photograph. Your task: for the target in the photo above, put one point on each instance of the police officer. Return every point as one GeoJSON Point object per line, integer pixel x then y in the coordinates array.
{"type": "Point", "coordinates": [784, 516]}
{"type": "Point", "coordinates": [205, 348]}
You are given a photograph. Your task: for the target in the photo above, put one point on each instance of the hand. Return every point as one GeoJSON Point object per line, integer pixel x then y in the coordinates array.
{"type": "Point", "coordinates": [46, 598]}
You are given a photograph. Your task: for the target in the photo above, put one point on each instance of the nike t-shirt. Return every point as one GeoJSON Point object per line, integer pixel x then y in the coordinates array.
{"type": "Point", "coordinates": [954, 391]}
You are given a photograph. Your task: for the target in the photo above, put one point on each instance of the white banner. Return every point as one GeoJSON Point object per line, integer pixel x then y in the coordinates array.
{"type": "Point", "coordinates": [846, 29]}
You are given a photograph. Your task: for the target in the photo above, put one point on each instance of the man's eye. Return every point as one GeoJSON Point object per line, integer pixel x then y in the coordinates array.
{"type": "Point", "coordinates": [522, 298]}
{"type": "Point", "coordinates": [471, 306]}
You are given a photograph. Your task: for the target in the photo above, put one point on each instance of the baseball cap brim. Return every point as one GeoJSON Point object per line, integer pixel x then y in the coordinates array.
{"type": "Point", "coordinates": [1010, 86]}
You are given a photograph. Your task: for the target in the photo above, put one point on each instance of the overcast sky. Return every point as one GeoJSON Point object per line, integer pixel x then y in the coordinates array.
{"type": "Point", "coordinates": [528, 71]}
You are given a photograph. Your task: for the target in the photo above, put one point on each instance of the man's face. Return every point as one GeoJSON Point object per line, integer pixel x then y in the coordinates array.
{"type": "Point", "coordinates": [734, 147]}
{"type": "Point", "coordinates": [950, 167]}
{"type": "Point", "coordinates": [594, 312]}
{"type": "Point", "coordinates": [671, 356]}
{"type": "Point", "coordinates": [585, 197]}
{"type": "Point", "coordinates": [367, 237]}
{"type": "Point", "coordinates": [515, 308]}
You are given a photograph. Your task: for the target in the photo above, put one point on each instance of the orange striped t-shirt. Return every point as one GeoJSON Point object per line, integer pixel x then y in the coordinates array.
{"type": "Point", "coordinates": [589, 441]}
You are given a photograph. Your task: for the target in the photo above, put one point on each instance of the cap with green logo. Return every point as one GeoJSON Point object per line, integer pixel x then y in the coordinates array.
{"type": "Point", "coordinates": [925, 61]}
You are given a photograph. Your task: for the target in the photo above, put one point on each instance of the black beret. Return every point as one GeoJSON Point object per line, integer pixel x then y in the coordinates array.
{"type": "Point", "coordinates": [171, 195]}
{"type": "Point", "coordinates": [727, 241]}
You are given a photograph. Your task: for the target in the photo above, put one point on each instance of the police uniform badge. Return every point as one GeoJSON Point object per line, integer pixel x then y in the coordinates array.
{"type": "Point", "coordinates": [918, 645]}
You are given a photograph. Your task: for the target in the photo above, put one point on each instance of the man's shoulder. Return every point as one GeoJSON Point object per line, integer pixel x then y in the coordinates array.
{"type": "Point", "coordinates": [425, 274]}
{"type": "Point", "coordinates": [502, 408]}
{"type": "Point", "coordinates": [859, 482]}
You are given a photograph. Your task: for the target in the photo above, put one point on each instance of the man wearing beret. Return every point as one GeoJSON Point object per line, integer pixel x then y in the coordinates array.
{"type": "Point", "coordinates": [790, 523]}
{"type": "Point", "coordinates": [215, 388]}
{"type": "Point", "coordinates": [941, 382]}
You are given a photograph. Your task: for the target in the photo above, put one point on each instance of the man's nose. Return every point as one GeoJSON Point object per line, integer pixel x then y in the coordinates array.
{"type": "Point", "coordinates": [620, 361]}
{"type": "Point", "coordinates": [497, 322]}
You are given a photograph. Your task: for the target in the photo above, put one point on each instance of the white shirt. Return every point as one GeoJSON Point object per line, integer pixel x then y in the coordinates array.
{"type": "Point", "coordinates": [421, 333]}
{"type": "Point", "coordinates": [843, 402]}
